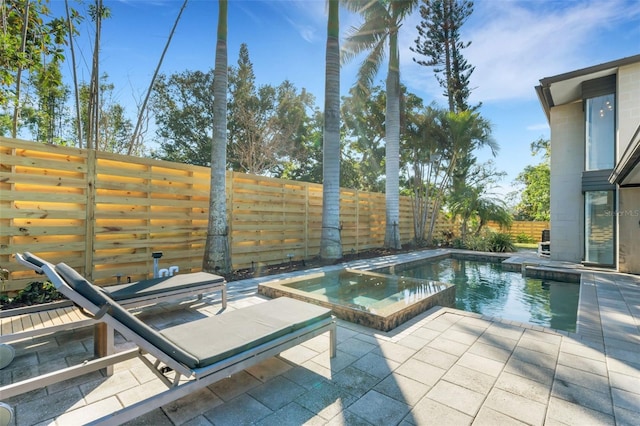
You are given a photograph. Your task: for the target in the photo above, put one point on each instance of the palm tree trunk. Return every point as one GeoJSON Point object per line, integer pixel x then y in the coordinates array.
{"type": "Point", "coordinates": [23, 46]}
{"type": "Point", "coordinates": [75, 75]}
{"type": "Point", "coordinates": [330, 243]}
{"type": "Point", "coordinates": [217, 255]}
{"type": "Point", "coordinates": [392, 136]}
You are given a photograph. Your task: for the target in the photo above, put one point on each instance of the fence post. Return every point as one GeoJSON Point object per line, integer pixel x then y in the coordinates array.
{"type": "Point", "coordinates": [89, 233]}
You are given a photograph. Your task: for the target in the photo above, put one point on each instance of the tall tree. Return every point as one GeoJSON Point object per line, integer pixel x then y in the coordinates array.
{"type": "Point", "coordinates": [30, 54]}
{"type": "Point", "coordinates": [330, 242]}
{"type": "Point", "coordinates": [184, 114]}
{"type": "Point", "coordinates": [265, 121]}
{"type": "Point", "coordinates": [439, 42]}
{"type": "Point", "coordinates": [535, 196]}
{"type": "Point", "coordinates": [217, 252]}
{"type": "Point", "coordinates": [382, 20]}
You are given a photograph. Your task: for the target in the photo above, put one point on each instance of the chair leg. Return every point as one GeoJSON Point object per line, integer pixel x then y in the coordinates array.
{"type": "Point", "coordinates": [103, 343]}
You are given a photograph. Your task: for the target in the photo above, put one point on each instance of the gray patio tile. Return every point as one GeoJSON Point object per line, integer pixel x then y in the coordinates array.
{"type": "Point", "coordinates": [376, 365]}
{"type": "Point", "coordinates": [488, 417]}
{"type": "Point", "coordinates": [539, 346]}
{"type": "Point", "coordinates": [276, 393]}
{"type": "Point", "coordinates": [157, 417]}
{"type": "Point", "coordinates": [240, 410]}
{"type": "Point", "coordinates": [403, 389]}
{"type": "Point", "coordinates": [470, 379]}
{"type": "Point", "coordinates": [543, 336]}
{"type": "Point", "coordinates": [524, 387]}
{"type": "Point", "coordinates": [596, 399]}
{"type": "Point", "coordinates": [622, 367]}
{"type": "Point", "coordinates": [327, 400]}
{"type": "Point", "coordinates": [355, 381]}
{"type": "Point", "coordinates": [624, 382]}
{"type": "Point", "coordinates": [516, 406]}
{"type": "Point", "coordinates": [270, 368]}
{"type": "Point", "coordinates": [488, 351]}
{"type": "Point", "coordinates": [420, 371]}
{"type": "Point", "coordinates": [582, 363]}
{"type": "Point", "coordinates": [534, 357]}
{"type": "Point", "coordinates": [231, 387]}
{"type": "Point", "coordinates": [481, 364]}
{"type": "Point", "coordinates": [430, 412]}
{"type": "Point", "coordinates": [379, 409]}
{"type": "Point", "coordinates": [624, 355]}
{"type": "Point", "coordinates": [356, 347]}
{"type": "Point", "coordinates": [298, 354]}
{"type": "Point", "coordinates": [585, 349]}
{"type": "Point", "coordinates": [109, 386]}
{"type": "Point", "coordinates": [138, 393]}
{"type": "Point", "coordinates": [501, 342]}
{"type": "Point", "coordinates": [413, 342]}
{"type": "Point", "coordinates": [426, 333]}
{"type": "Point", "coordinates": [458, 397]}
{"type": "Point", "coordinates": [341, 361]}
{"type": "Point", "coordinates": [573, 414]}
{"type": "Point", "coordinates": [435, 357]}
{"type": "Point", "coordinates": [88, 413]}
{"type": "Point", "coordinates": [291, 414]}
{"type": "Point", "coordinates": [630, 343]}
{"type": "Point", "coordinates": [196, 421]}
{"type": "Point", "coordinates": [49, 406]}
{"type": "Point", "coordinates": [449, 346]}
{"type": "Point", "coordinates": [347, 418]}
{"type": "Point", "coordinates": [505, 330]}
{"type": "Point", "coordinates": [304, 377]}
{"type": "Point", "coordinates": [394, 352]}
{"type": "Point", "coordinates": [627, 400]}
{"type": "Point", "coordinates": [474, 322]}
{"type": "Point", "coordinates": [581, 378]}
{"type": "Point", "coordinates": [320, 343]}
{"type": "Point", "coordinates": [190, 406]}
{"type": "Point", "coordinates": [626, 417]}
{"type": "Point", "coordinates": [465, 338]}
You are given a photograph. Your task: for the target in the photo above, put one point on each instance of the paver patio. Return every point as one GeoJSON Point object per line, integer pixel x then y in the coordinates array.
{"type": "Point", "coordinates": [443, 367]}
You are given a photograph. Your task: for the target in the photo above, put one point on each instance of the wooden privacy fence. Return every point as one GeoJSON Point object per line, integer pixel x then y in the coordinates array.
{"type": "Point", "coordinates": [104, 214]}
{"type": "Point", "coordinates": [532, 229]}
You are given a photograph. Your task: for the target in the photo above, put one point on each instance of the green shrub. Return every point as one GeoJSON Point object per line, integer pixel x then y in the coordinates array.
{"type": "Point", "coordinates": [500, 243]}
{"type": "Point", "coordinates": [525, 239]}
{"type": "Point", "coordinates": [457, 243]}
{"type": "Point", "coordinates": [37, 292]}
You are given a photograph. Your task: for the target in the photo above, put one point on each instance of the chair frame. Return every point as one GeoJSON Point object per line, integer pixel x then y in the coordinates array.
{"type": "Point", "coordinates": [179, 379]}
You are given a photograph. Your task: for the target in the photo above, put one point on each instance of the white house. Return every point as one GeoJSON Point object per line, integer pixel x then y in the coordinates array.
{"type": "Point", "coordinates": [594, 115]}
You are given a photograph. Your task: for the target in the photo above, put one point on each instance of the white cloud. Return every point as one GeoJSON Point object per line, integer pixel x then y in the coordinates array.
{"type": "Point", "coordinates": [515, 43]}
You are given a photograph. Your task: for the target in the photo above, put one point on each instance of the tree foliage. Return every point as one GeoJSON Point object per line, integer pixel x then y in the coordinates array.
{"type": "Point", "coordinates": [183, 108]}
{"type": "Point", "coordinates": [439, 42]}
{"type": "Point", "coordinates": [31, 50]}
{"type": "Point", "coordinates": [535, 197]}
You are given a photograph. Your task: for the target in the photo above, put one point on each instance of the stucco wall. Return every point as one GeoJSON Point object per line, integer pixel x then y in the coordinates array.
{"type": "Point", "coordinates": [567, 164]}
{"type": "Point", "coordinates": [628, 105]}
{"type": "Point", "coordinates": [629, 230]}
{"type": "Point", "coordinates": [628, 212]}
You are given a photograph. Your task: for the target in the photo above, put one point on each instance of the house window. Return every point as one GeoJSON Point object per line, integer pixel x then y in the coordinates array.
{"type": "Point", "coordinates": [599, 227]}
{"type": "Point", "coordinates": [600, 132]}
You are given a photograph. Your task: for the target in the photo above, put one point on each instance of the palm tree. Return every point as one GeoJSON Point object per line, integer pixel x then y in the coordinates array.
{"type": "Point", "coordinates": [382, 20]}
{"type": "Point", "coordinates": [330, 244]}
{"type": "Point", "coordinates": [217, 256]}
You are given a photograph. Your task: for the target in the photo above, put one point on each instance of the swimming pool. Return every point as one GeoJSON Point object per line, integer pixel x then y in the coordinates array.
{"type": "Point", "coordinates": [386, 297]}
{"type": "Point", "coordinates": [486, 288]}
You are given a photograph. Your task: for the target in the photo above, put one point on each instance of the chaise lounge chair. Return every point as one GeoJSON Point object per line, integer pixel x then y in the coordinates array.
{"type": "Point", "coordinates": [185, 357]}
{"type": "Point", "coordinates": [129, 295]}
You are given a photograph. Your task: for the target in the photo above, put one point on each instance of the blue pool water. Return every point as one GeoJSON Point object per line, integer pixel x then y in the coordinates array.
{"type": "Point", "coordinates": [487, 289]}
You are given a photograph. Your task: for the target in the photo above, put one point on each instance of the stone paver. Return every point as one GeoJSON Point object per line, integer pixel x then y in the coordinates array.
{"type": "Point", "coordinates": [444, 367]}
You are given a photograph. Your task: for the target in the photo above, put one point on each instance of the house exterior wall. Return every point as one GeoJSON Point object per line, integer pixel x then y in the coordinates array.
{"type": "Point", "coordinates": [567, 164]}
{"type": "Point", "coordinates": [629, 230]}
{"type": "Point", "coordinates": [628, 213]}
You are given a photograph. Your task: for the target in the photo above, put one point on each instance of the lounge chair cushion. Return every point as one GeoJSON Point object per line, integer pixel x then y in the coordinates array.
{"type": "Point", "coordinates": [100, 299]}
{"type": "Point", "coordinates": [219, 337]}
{"type": "Point", "coordinates": [154, 286]}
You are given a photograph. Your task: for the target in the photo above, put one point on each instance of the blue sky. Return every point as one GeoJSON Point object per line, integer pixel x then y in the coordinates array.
{"type": "Point", "coordinates": [515, 43]}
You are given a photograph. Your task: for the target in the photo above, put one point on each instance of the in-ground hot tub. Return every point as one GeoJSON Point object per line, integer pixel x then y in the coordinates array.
{"type": "Point", "coordinates": [372, 299]}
